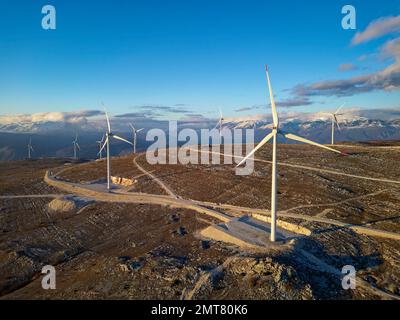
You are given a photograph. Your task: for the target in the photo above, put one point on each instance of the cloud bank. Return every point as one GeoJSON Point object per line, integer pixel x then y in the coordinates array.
{"type": "Point", "coordinates": [77, 117]}
{"type": "Point", "coordinates": [376, 29]}
{"type": "Point", "coordinates": [387, 79]}
{"type": "Point", "coordinates": [93, 120]}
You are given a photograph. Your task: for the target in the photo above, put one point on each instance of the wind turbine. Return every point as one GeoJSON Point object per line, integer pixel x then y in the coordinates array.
{"type": "Point", "coordinates": [76, 145]}
{"type": "Point", "coordinates": [100, 143]}
{"type": "Point", "coordinates": [30, 148]}
{"type": "Point", "coordinates": [220, 122]}
{"type": "Point", "coordinates": [335, 121]}
{"type": "Point", "coordinates": [135, 131]}
{"type": "Point", "coordinates": [109, 134]}
{"type": "Point", "coordinates": [273, 135]}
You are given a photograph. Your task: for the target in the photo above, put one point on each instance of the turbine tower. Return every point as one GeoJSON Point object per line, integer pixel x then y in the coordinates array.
{"type": "Point", "coordinates": [335, 121]}
{"type": "Point", "coordinates": [76, 145]}
{"type": "Point", "coordinates": [30, 148]}
{"type": "Point", "coordinates": [134, 132]}
{"type": "Point", "coordinates": [100, 143]}
{"type": "Point", "coordinates": [110, 135]}
{"type": "Point", "coordinates": [273, 135]}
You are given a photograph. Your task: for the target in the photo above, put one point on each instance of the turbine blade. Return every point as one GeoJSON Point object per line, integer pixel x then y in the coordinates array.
{"type": "Point", "coordinates": [300, 139]}
{"type": "Point", "coordinates": [264, 141]}
{"type": "Point", "coordinates": [105, 142]}
{"type": "Point", "coordinates": [220, 113]}
{"type": "Point", "coordinates": [133, 128]}
{"type": "Point", "coordinates": [337, 123]}
{"type": "Point", "coordinates": [218, 123]}
{"type": "Point", "coordinates": [77, 145]}
{"type": "Point", "coordinates": [140, 130]}
{"type": "Point", "coordinates": [108, 119]}
{"type": "Point", "coordinates": [340, 108]}
{"type": "Point", "coordinates": [122, 139]}
{"type": "Point", "coordinates": [271, 97]}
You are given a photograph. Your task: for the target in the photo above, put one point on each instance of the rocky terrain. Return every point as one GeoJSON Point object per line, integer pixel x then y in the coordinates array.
{"type": "Point", "coordinates": [104, 250]}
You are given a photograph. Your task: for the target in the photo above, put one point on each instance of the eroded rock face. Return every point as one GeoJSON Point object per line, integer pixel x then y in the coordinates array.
{"type": "Point", "coordinates": [62, 205]}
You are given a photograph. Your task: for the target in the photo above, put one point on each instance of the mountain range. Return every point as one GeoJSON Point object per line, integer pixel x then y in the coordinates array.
{"type": "Point", "coordinates": [54, 139]}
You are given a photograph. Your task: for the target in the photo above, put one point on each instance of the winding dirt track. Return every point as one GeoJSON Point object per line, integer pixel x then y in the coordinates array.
{"type": "Point", "coordinates": [132, 197]}
{"type": "Point", "coordinates": [244, 210]}
{"type": "Point", "coordinates": [33, 196]}
{"type": "Point", "coordinates": [318, 264]}
{"type": "Point", "coordinates": [152, 176]}
{"type": "Point", "coordinates": [331, 204]}
{"type": "Point", "coordinates": [286, 164]}
{"type": "Point", "coordinates": [199, 206]}
{"type": "Point", "coordinates": [204, 207]}
{"type": "Point", "coordinates": [262, 212]}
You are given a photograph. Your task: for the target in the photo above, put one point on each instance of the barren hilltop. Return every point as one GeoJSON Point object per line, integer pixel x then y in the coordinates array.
{"type": "Point", "coordinates": [147, 240]}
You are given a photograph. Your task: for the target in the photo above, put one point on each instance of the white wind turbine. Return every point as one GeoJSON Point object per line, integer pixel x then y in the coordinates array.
{"type": "Point", "coordinates": [30, 148]}
{"type": "Point", "coordinates": [134, 132]}
{"type": "Point", "coordinates": [273, 135]}
{"type": "Point", "coordinates": [335, 121]}
{"type": "Point", "coordinates": [220, 122]}
{"type": "Point", "coordinates": [109, 134]}
{"type": "Point", "coordinates": [76, 145]}
{"type": "Point", "coordinates": [100, 143]}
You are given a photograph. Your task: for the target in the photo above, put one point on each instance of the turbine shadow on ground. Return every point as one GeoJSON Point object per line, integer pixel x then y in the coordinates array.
{"type": "Point", "coordinates": [330, 267]}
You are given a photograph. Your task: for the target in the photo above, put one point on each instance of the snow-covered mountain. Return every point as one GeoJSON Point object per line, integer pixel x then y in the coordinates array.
{"type": "Point", "coordinates": [52, 134]}
{"type": "Point", "coordinates": [46, 126]}
{"type": "Point", "coordinates": [361, 129]}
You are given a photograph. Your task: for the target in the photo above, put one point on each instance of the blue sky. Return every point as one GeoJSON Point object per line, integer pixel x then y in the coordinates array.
{"type": "Point", "coordinates": [198, 55]}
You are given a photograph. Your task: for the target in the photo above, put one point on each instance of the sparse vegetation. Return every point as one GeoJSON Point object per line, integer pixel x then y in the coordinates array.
{"type": "Point", "coordinates": [134, 251]}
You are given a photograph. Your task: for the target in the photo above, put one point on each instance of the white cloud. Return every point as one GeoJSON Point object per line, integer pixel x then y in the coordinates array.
{"type": "Point", "coordinates": [377, 28]}
{"type": "Point", "coordinates": [387, 79]}
{"type": "Point", "coordinates": [68, 117]}
{"type": "Point", "coordinates": [51, 121]}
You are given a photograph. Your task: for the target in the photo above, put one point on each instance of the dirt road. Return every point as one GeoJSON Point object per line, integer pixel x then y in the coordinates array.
{"type": "Point", "coordinates": [285, 164]}
{"type": "Point", "coordinates": [152, 176]}
{"type": "Point", "coordinates": [33, 196]}
{"type": "Point", "coordinates": [198, 206]}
